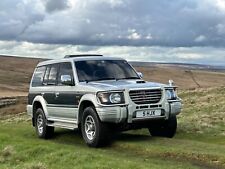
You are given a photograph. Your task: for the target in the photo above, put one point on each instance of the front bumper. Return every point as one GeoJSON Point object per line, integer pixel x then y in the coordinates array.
{"type": "Point", "coordinates": [30, 110]}
{"type": "Point", "coordinates": [115, 114]}
{"type": "Point", "coordinates": [175, 108]}
{"type": "Point", "coordinates": [119, 114]}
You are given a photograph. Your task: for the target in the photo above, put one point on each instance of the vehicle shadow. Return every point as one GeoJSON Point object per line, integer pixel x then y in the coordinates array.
{"type": "Point", "coordinates": [74, 137]}
{"type": "Point", "coordinates": [130, 137]}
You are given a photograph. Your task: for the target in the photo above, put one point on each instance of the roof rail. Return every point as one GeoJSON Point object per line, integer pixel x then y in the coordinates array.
{"type": "Point", "coordinates": [82, 55]}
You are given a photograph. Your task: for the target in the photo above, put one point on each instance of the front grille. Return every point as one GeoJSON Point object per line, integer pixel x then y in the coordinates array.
{"type": "Point", "coordinates": [152, 96]}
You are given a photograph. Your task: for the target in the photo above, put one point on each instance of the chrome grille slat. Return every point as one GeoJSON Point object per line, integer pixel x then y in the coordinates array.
{"type": "Point", "coordinates": [146, 93]}
{"type": "Point", "coordinates": [147, 97]}
{"type": "Point", "coordinates": [151, 96]}
{"type": "Point", "coordinates": [140, 101]}
{"type": "Point", "coordinates": [156, 98]}
{"type": "Point", "coordinates": [138, 96]}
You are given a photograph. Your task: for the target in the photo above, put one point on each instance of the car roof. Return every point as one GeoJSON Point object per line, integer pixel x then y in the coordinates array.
{"type": "Point", "coordinates": [82, 58]}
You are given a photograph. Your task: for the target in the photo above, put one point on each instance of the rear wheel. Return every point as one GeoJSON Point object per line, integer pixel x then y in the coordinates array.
{"type": "Point", "coordinates": [42, 130]}
{"type": "Point", "coordinates": [167, 129]}
{"type": "Point", "coordinates": [93, 130]}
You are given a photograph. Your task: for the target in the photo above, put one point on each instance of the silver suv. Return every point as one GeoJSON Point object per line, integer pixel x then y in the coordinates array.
{"type": "Point", "coordinates": [99, 95]}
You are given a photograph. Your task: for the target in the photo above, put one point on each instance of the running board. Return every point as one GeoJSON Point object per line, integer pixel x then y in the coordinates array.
{"type": "Point", "coordinates": [62, 123]}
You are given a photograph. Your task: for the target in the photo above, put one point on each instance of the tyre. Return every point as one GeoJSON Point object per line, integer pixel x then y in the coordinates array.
{"type": "Point", "coordinates": [94, 132]}
{"type": "Point", "coordinates": [42, 130]}
{"type": "Point", "coordinates": [167, 129]}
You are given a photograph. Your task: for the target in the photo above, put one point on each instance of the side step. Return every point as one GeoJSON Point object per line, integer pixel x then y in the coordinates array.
{"type": "Point", "coordinates": [63, 123]}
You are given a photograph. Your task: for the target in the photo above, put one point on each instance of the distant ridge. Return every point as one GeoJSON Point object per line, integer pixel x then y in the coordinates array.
{"type": "Point", "coordinates": [24, 57]}
{"type": "Point", "coordinates": [16, 72]}
{"type": "Point", "coordinates": [192, 66]}
{"type": "Point", "coordinates": [181, 65]}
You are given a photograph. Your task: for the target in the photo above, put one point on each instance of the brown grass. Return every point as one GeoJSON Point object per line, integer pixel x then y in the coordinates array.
{"type": "Point", "coordinates": [19, 107]}
{"type": "Point", "coordinates": [16, 72]}
{"type": "Point", "coordinates": [185, 79]}
{"type": "Point", "coordinates": [7, 151]}
{"type": "Point", "coordinates": [38, 165]}
{"type": "Point", "coordinates": [204, 109]}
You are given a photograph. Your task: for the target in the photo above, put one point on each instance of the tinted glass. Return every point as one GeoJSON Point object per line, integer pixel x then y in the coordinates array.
{"type": "Point", "coordinates": [45, 81]}
{"type": "Point", "coordinates": [52, 78]}
{"type": "Point", "coordinates": [95, 70]}
{"type": "Point", "coordinates": [65, 69]}
{"type": "Point", "coordinates": [38, 76]}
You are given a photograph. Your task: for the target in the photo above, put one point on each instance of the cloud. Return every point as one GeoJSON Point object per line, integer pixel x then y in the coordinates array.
{"type": "Point", "coordinates": [146, 30]}
{"type": "Point", "coordinates": [202, 55]}
{"type": "Point", "coordinates": [133, 35]}
{"type": "Point", "coordinates": [165, 23]}
{"type": "Point", "coordinates": [200, 38]}
{"type": "Point", "coordinates": [56, 5]}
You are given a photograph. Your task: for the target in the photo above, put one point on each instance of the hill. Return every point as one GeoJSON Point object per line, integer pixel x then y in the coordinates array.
{"type": "Point", "coordinates": [199, 142]}
{"type": "Point", "coordinates": [15, 75]}
{"type": "Point", "coordinates": [16, 72]}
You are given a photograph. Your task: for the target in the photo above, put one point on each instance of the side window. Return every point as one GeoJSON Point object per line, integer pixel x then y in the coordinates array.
{"type": "Point", "coordinates": [65, 69]}
{"type": "Point", "coordinates": [45, 81]}
{"type": "Point", "coordinates": [52, 77]}
{"type": "Point", "coordinates": [38, 76]}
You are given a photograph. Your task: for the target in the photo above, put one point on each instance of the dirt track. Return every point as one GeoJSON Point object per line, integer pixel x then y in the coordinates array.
{"type": "Point", "coordinates": [5, 93]}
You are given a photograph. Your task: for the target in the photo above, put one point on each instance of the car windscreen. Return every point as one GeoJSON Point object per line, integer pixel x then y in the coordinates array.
{"type": "Point", "coordinates": [96, 70]}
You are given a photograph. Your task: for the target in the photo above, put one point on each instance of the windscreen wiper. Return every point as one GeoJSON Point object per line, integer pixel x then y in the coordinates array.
{"type": "Point", "coordinates": [129, 78]}
{"type": "Point", "coordinates": [106, 78]}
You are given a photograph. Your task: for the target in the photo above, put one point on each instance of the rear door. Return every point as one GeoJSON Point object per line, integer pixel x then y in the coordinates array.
{"type": "Point", "coordinates": [48, 92]}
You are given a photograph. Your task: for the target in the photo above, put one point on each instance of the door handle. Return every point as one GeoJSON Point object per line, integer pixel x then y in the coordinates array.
{"type": "Point", "coordinates": [56, 95]}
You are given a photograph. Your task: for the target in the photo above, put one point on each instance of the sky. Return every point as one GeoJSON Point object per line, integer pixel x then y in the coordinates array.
{"type": "Point", "coordinates": [188, 31]}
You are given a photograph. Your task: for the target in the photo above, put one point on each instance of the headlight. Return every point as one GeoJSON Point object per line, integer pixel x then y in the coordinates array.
{"type": "Point", "coordinates": [111, 97]}
{"type": "Point", "coordinates": [115, 98]}
{"type": "Point", "coordinates": [171, 94]}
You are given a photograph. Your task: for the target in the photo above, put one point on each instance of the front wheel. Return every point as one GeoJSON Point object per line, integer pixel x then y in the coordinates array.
{"type": "Point", "coordinates": [93, 130]}
{"type": "Point", "coordinates": [167, 129]}
{"type": "Point", "coordinates": [42, 130]}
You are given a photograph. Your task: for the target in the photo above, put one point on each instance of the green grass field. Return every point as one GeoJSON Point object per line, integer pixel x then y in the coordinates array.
{"type": "Point", "coordinates": [199, 143]}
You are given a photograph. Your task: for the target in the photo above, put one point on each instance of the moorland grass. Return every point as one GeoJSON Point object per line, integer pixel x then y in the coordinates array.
{"type": "Point", "coordinates": [199, 143]}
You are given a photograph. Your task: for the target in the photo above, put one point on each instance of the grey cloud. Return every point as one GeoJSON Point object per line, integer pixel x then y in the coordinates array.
{"type": "Point", "coordinates": [56, 5]}
{"type": "Point", "coordinates": [165, 23]}
{"type": "Point", "coordinates": [16, 16]}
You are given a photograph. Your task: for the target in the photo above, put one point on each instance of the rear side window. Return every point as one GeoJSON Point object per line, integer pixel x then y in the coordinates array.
{"type": "Point", "coordinates": [38, 76]}
{"type": "Point", "coordinates": [65, 69]}
{"type": "Point", "coordinates": [45, 81]}
{"type": "Point", "coordinates": [52, 77]}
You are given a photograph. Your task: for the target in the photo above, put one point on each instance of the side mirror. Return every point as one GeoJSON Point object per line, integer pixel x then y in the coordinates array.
{"type": "Point", "coordinates": [66, 80]}
{"type": "Point", "coordinates": [140, 74]}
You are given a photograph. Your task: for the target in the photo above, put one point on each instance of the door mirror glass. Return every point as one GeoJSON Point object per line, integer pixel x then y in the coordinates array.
{"type": "Point", "coordinates": [140, 74]}
{"type": "Point", "coordinates": [66, 80]}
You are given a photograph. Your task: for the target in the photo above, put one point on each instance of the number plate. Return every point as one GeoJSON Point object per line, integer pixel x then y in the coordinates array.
{"type": "Point", "coordinates": [148, 113]}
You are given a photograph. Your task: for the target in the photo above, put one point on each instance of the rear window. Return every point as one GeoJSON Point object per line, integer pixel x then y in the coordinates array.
{"type": "Point", "coordinates": [38, 76]}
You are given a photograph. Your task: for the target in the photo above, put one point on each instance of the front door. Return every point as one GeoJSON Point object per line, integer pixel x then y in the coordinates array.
{"type": "Point", "coordinates": [66, 98]}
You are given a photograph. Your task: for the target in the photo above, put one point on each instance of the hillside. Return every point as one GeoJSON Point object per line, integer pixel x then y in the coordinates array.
{"type": "Point", "coordinates": [16, 72]}
{"type": "Point", "coordinates": [199, 143]}
{"type": "Point", "coordinates": [15, 75]}
{"type": "Point", "coordinates": [183, 78]}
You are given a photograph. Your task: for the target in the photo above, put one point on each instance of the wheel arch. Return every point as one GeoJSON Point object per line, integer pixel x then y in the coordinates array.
{"type": "Point", "coordinates": [84, 104]}
{"type": "Point", "coordinates": [39, 102]}
{"type": "Point", "coordinates": [88, 100]}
